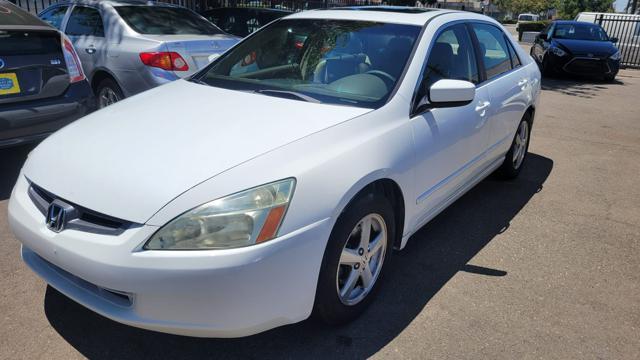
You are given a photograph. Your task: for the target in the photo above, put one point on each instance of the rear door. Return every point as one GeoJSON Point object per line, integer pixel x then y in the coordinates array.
{"type": "Point", "coordinates": [86, 30]}
{"type": "Point", "coordinates": [507, 80]}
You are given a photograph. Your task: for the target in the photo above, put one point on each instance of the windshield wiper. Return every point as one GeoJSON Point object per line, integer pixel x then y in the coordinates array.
{"type": "Point", "coordinates": [288, 94]}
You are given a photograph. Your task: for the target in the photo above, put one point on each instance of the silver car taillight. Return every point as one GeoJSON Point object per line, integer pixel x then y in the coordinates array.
{"type": "Point", "coordinates": [74, 67]}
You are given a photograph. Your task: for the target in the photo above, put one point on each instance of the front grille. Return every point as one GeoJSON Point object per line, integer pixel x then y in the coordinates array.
{"type": "Point", "coordinates": [83, 219]}
{"type": "Point", "coordinates": [587, 66]}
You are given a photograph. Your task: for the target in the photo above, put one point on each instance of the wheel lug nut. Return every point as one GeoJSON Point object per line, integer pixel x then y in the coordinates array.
{"type": "Point", "coordinates": [360, 251]}
{"type": "Point", "coordinates": [356, 266]}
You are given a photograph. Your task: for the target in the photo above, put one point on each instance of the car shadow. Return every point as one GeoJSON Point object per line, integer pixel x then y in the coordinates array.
{"type": "Point", "coordinates": [432, 257]}
{"type": "Point", "coordinates": [11, 161]}
{"type": "Point", "coordinates": [584, 87]}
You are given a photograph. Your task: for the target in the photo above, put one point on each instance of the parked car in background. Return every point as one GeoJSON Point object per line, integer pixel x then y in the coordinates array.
{"type": "Point", "coordinates": [243, 21]}
{"type": "Point", "coordinates": [575, 47]}
{"type": "Point", "coordinates": [42, 86]}
{"type": "Point", "coordinates": [526, 18]}
{"type": "Point", "coordinates": [624, 27]}
{"type": "Point", "coordinates": [286, 177]}
{"type": "Point", "coordinates": [127, 47]}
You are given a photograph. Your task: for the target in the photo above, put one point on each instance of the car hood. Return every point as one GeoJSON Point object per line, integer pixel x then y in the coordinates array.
{"type": "Point", "coordinates": [584, 47]}
{"type": "Point", "coordinates": [131, 158]}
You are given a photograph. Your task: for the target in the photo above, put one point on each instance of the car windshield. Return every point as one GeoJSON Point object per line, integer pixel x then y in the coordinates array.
{"type": "Point", "coordinates": [355, 63]}
{"type": "Point", "coordinates": [164, 20]}
{"type": "Point", "coordinates": [525, 18]}
{"type": "Point", "coordinates": [580, 32]}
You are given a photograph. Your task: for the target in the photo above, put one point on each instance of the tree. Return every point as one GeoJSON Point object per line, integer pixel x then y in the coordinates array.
{"type": "Point", "coordinates": [568, 9]}
{"type": "Point", "coordinates": [525, 6]}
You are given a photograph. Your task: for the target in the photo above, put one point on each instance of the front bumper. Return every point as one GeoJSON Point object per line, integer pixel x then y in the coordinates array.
{"type": "Point", "coordinates": [583, 65]}
{"type": "Point", "coordinates": [217, 293]}
{"type": "Point", "coordinates": [27, 121]}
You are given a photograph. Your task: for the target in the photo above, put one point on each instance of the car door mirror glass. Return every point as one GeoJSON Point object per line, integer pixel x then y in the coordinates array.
{"type": "Point", "coordinates": [542, 36]}
{"type": "Point", "coordinates": [613, 39]}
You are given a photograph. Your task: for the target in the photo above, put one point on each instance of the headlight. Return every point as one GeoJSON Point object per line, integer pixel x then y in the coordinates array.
{"type": "Point", "coordinates": [242, 219]}
{"type": "Point", "coordinates": [615, 56]}
{"type": "Point", "coordinates": [558, 51]}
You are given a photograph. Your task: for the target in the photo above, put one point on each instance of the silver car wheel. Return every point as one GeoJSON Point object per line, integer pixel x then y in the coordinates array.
{"type": "Point", "coordinates": [107, 96]}
{"type": "Point", "coordinates": [361, 259]}
{"type": "Point", "coordinates": [520, 148]}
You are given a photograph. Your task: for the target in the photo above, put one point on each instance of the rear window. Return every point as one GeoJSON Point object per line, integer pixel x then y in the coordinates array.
{"type": "Point", "coordinates": [28, 42]}
{"type": "Point", "coordinates": [163, 20]}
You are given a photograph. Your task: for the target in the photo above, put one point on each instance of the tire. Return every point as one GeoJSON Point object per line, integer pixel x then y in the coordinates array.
{"type": "Point", "coordinates": [609, 77]}
{"type": "Point", "coordinates": [107, 93]}
{"type": "Point", "coordinates": [334, 276]}
{"type": "Point", "coordinates": [546, 69]}
{"type": "Point", "coordinates": [512, 165]}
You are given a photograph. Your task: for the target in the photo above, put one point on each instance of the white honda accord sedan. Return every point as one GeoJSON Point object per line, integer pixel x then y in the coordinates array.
{"type": "Point", "coordinates": [276, 182]}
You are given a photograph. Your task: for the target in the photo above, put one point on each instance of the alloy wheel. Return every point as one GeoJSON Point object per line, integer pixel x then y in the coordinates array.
{"type": "Point", "coordinates": [361, 259]}
{"type": "Point", "coordinates": [520, 148]}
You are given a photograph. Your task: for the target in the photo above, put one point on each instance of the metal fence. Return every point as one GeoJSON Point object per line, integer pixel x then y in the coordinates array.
{"type": "Point", "coordinates": [36, 6]}
{"type": "Point", "coordinates": [627, 29]}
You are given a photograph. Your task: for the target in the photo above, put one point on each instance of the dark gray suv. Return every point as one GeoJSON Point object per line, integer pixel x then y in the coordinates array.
{"type": "Point", "coordinates": [42, 85]}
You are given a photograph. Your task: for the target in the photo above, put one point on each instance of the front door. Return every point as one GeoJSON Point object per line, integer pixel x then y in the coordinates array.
{"type": "Point", "coordinates": [449, 141]}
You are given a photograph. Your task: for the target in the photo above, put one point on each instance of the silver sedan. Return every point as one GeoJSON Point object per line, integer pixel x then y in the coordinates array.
{"type": "Point", "coordinates": [127, 47]}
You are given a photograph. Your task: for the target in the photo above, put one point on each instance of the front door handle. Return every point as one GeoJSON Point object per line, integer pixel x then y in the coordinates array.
{"type": "Point", "coordinates": [90, 50]}
{"type": "Point", "coordinates": [523, 82]}
{"type": "Point", "coordinates": [482, 107]}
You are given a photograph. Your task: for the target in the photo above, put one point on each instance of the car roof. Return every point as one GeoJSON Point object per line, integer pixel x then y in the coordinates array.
{"type": "Point", "coordinates": [384, 14]}
{"type": "Point", "coordinates": [574, 22]}
{"type": "Point", "coordinates": [12, 17]}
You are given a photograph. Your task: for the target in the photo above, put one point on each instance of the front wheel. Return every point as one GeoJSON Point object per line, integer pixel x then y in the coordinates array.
{"type": "Point", "coordinates": [358, 249]}
{"type": "Point", "coordinates": [517, 154]}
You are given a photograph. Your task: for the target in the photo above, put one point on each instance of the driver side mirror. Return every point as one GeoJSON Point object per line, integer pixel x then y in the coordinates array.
{"type": "Point", "coordinates": [543, 36]}
{"type": "Point", "coordinates": [447, 93]}
{"type": "Point", "coordinates": [613, 39]}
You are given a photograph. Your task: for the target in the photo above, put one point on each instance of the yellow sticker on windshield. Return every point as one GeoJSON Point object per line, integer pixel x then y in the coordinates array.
{"type": "Point", "coordinates": [9, 84]}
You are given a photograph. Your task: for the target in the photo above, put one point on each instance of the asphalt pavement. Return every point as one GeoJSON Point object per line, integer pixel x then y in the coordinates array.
{"type": "Point", "coordinates": [546, 266]}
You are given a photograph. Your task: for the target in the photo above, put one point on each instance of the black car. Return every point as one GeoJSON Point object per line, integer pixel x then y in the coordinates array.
{"type": "Point", "coordinates": [243, 21]}
{"type": "Point", "coordinates": [576, 47]}
{"type": "Point", "coordinates": [42, 86]}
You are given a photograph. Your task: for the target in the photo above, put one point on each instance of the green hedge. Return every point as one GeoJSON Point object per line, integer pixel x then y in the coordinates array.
{"type": "Point", "coordinates": [531, 26]}
{"type": "Point", "coordinates": [510, 21]}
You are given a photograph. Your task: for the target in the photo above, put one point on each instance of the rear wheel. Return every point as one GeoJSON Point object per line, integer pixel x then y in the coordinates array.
{"type": "Point", "coordinates": [358, 249]}
{"type": "Point", "coordinates": [108, 92]}
{"type": "Point", "coordinates": [609, 77]}
{"type": "Point", "coordinates": [517, 154]}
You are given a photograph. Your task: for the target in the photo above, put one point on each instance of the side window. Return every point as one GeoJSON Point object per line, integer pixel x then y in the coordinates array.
{"type": "Point", "coordinates": [515, 60]}
{"type": "Point", "coordinates": [85, 21]}
{"type": "Point", "coordinates": [54, 16]}
{"type": "Point", "coordinates": [451, 57]}
{"type": "Point", "coordinates": [493, 49]}
{"type": "Point", "coordinates": [549, 31]}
